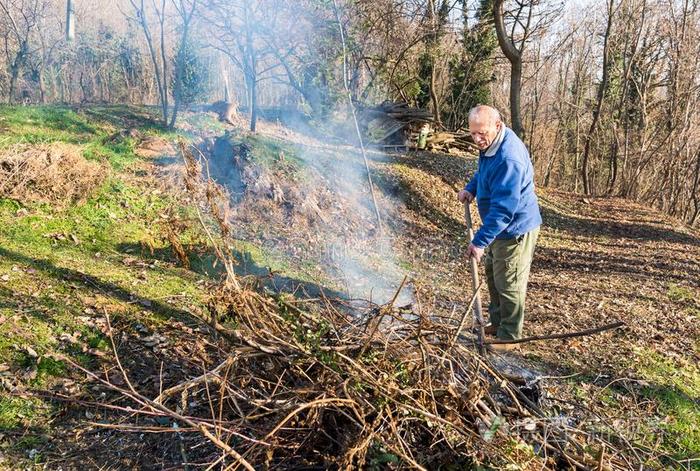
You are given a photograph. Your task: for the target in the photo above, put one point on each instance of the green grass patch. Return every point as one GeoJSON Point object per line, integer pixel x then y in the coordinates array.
{"type": "Point", "coordinates": [676, 388]}
{"type": "Point", "coordinates": [91, 128]}
{"type": "Point", "coordinates": [202, 122]}
{"type": "Point", "coordinates": [55, 258]}
{"type": "Point", "coordinates": [680, 294]}
{"type": "Point", "coordinates": [20, 412]}
{"type": "Point", "coordinates": [43, 124]}
{"type": "Point", "coordinates": [255, 259]}
{"type": "Point", "coordinates": [270, 153]}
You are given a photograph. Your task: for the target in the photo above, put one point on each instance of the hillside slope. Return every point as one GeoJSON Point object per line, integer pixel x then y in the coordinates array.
{"type": "Point", "coordinates": [129, 252]}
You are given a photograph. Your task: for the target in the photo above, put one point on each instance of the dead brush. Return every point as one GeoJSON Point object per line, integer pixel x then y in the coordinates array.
{"type": "Point", "coordinates": [53, 173]}
{"type": "Point", "coordinates": [310, 384]}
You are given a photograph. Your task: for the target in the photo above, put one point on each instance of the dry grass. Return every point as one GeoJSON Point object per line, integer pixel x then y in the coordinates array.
{"type": "Point", "coordinates": [151, 147]}
{"type": "Point", "coordinates": [55, 173]}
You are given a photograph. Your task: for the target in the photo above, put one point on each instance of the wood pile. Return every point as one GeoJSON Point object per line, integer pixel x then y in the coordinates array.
{"type": "Point", "coordinates": [398, 125]}
{"type": "Point", "coordinates": [445, 141]}
{"type": "Point", "coordinates": [391, 124]}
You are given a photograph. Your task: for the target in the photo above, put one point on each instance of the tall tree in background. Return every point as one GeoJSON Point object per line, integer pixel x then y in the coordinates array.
{"type": "Point", "coordinates": [602, 87]}
{"type": "Point", "coordinates": [515, 27]}
{"type": "Point", "coordinates": [159, 68]}
{"type": "Point", "coordinates": [514, 54]}
{"type": "Point", "coordinates": [187, 67]}
{"type": "Point", "coordinates": [437, 14]}
{"type": "Point", "coordinates": [472, 70]}
{"type": "Point", "coordinates": [238, 26]}
{"type": "Point", "coordinates": [306, 54]}
{"type": "Point", "coordinates": [21, 19]}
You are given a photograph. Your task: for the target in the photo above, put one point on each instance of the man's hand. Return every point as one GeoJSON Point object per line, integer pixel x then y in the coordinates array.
{"type": "Point", "coordinates": [476, 252]}
{"type": "Point", "coordinates": [465, 197]}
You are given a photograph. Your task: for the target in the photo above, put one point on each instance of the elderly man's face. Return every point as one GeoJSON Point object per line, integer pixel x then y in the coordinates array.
{"type": "Point", "coordinates": [484, 130]}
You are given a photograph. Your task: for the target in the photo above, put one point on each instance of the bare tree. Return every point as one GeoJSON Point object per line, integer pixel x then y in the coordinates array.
{"type": "Point", "coordinates": [237, 33]}
{"type": "Point", "coordinates": [436, 18]}
{"type": "Point", "coordinates": [585, 171]}
{"type": "Point", "coordinates": [186, 10]}
{"type": "Point", "coordinates": [22, 18]}
{"type": "Point", "coordinates": [159, 67]}
{"type": "Point", "coordinates": [515, 27]}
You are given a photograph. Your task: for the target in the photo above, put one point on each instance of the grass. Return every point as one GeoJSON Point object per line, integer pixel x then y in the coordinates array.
{"type": "Point", "coordinates": [91, 128]}
{"type": "Point", "coordinates": [60, 268]}
{"type": "Point", "coordinates": [271, 153]}
{"type": "Point", "coordinates": [680, 294]}
{"type": "Point", "coordinates": [675, 387]}
{"type": "Point", "coordinates": [202, 121]}
{"type": "Point", "coordinates": [18, 411]}
{"type": "Point", "coordinates": [53, 258]}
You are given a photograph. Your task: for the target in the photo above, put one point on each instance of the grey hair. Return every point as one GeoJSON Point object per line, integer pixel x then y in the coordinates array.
{"type": "Point", "coordinates": [491, 112]}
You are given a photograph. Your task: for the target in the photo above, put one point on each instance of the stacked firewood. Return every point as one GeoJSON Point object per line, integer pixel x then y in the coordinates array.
{"type": "Point", "coordinates": [392, 124]}
{"type": "Point", "coordinates": [400, 125]}
{"type": "Point", "coordinates": [445, 141]}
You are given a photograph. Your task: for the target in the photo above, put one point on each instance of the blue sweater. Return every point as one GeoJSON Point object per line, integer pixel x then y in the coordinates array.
{"type": "Point", "coordinates": [505, 192]}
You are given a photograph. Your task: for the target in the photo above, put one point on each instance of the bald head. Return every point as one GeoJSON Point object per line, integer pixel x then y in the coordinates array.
{"type": "Point", "coordinates": [484, 113]}
{"type": "Point", "coordinates": [484, 125]}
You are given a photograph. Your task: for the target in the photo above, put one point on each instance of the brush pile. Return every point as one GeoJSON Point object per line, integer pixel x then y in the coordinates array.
{"type": "Point", "coordinates": [329, 384]}
{"type": "Point", "coordinates": [55, 173]}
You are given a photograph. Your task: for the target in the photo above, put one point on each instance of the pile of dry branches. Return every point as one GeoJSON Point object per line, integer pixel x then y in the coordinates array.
{"type": "Point", "coordinates": [320, 383]}
{"type": "Point", "coordinates": [54, 173]}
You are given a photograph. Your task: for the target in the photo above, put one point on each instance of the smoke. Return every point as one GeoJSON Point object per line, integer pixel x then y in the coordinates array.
{"type": "Point", "coordinates": [362, 255]}
{"type": "Point", "coordinates": [349, 243]}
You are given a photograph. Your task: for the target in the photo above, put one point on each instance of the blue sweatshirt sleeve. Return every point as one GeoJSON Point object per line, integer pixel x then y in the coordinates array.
{"type": "Point", "coordinates": [471, 186]}
{"type": "Point", "coordinates": [505, 197]}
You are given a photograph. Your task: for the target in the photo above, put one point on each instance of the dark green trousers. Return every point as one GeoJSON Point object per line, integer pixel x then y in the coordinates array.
{"type": "Point", "coordinates": [507, 270]}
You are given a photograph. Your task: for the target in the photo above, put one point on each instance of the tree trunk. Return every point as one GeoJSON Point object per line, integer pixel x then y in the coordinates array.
{"type": "Point", "coordinates": [251, 66]}
{"type": "Point", "coordinates": [42, 88]}
{"type": "Point", "coordinates": [13, 83]}
{"type": "Point", "coordinates": [160, 78]}
{"type": "Point", "coordinates": [254, 105]}
{"type": "Point", "coordinates": [515, 58]}
{"type": "Point", "coordinates": [180, 60]}
{"type": "Point", "coordinates": [165, 63]}
{"type": "Point", "coordinates": [16, 67]}
{"type": "Point", "coordinates": [585, 171]}
{"type": "Point", "coordinates": [516, 73]}
{"type": "Point", "coordinates": [614, 151]}
{"type": "Point", "coordinates": [433, 95]}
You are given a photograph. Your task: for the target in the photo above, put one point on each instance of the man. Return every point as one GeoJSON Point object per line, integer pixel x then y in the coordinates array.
{"type": "Point", "coordinates": [505, 194]}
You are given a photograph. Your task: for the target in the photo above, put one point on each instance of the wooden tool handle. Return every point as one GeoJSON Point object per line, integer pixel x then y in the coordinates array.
{"type": "Point", "coordinates": [473, 266]}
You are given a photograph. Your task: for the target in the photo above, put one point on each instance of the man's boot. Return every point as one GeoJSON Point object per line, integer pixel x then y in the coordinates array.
{"type": "Point", "coordinates": [491, 329]}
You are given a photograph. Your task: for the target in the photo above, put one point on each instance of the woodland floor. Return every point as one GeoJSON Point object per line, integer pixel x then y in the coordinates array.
{"type": "Point", "coordinates": [61, 270]}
